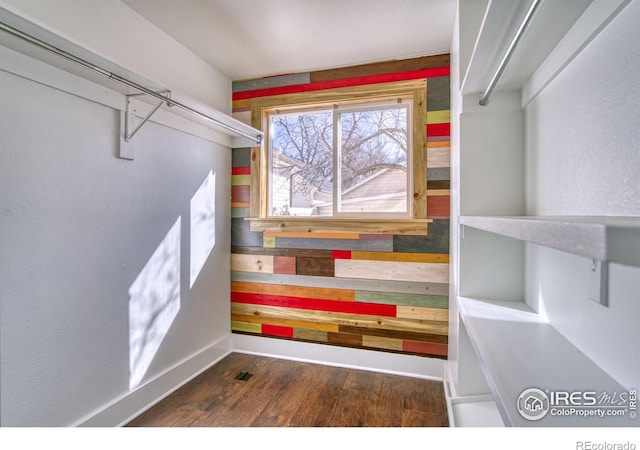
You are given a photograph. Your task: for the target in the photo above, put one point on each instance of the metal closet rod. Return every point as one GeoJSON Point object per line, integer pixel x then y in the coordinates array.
{"type": "Point", "coordinates": [484, 99]}
{"type": "Point", "coordinates": [169, 101]}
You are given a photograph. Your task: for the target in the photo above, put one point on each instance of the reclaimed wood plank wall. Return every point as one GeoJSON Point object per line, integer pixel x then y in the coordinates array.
{"type": "Point", "coordinates": [384, 292]}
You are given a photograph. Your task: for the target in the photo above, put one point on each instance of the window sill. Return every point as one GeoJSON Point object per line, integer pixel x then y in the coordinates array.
{"type": "Point", "coordinates": [304, 226]}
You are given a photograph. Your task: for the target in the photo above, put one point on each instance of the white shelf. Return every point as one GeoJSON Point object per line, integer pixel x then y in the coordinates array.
{"type": "Point", "coordinates": [518, 350]}
{"type": "Point", "coordinates": [613, 239]}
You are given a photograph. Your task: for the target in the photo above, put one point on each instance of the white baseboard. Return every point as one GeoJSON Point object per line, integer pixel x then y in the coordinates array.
{"type": "Point", "coordinates": [391, 363]}
{"type": "Point", "coordinates": [133, 403]}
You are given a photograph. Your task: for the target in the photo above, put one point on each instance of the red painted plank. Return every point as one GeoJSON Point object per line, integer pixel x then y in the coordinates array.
{"type": "Point", "coordinates": [341, 254]}
{"type": "Point", "coordinates": [276, 330]}
{"type": "Point", "coordinates": [347, 82]}
{"type": "Point", "coordinates": [240, 194]}
{"type": "Point", "coordinates": [438, 206]}
{"type": "Point", "coordinates": [314, 304]}
{"type": "Point", "coordinates": [427, 348]}
{"type": "Point", "coordinates": [438, 129]}
{"type": "Point", "coordinates": [241, 171]}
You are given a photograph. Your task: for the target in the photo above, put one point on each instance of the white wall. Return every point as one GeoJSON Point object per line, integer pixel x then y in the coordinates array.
{"type": "Point", "coordinates": [583, 158]}
{"type": "Point", "coordinates": [85, 237]}
{"type": "Point", "coordinates": [112, 30]}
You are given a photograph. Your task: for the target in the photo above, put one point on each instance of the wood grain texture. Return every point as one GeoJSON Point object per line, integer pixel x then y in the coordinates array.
{"type": "Point", "coordinates": [285, 393]}
{"type": "Point", "coordinates": [427, 348]}
{"type": "Point", "coordinates": [403, 299]}
{"type": "Point", "coordinates": [294, 252]}
{"type": "Point", "coordinates": [312, 235]}
{"type": "Point", "coordinates": [240, 194]}
{"type": "Point", "coordinates": [252, 263]}
{"type": "Point", "coordinates": [402, 335]}
{"type": "Point", "coordinates": [242, 236]}
{"type": "Point", "coordinates": [438, 173]}
{"type": "Point", "coordinates": [417, 312]}
{"type": "Point", "coordinates": [392, 270]}
{"type": "Point", "coordinates": [343, 295]}
{"type": "Point", "coordinates": [317, 267]}
{"type": "Point", "coordinates": [255, 320]}
{"type": "Point", "coordinates": [438, 157]}
{"type": "Point", "coordinates": [404, 65]}
{"type": "Point", "coordinates": [407, 257]}
{"type": "Point", "coordinates": [439, 206]}
{"type": "Point", "coordinates": [240, 180]}
{"type": "Point", "coordinates": [241, 157]}
{"type": "Point", "coordinates": [335, 244]}
{"type": "Point", "coordinates": [382, 342]}
{"type": "Point", "coordinates": [384, 286]}
{"type": "Point", "coordinates": [440, 116]}
{"type": "Point", "coordinates": [340, 318]}
{"type": "Point", "coordinates": [338, 226]}
{"type": "Point", "coordinates": [436, 242]}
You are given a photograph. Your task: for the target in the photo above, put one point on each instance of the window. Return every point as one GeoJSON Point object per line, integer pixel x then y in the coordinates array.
{"type": "Point", "coordinates": [347, 159]}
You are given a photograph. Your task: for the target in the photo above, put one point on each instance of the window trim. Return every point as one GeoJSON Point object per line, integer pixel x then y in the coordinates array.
{"type": "Point", "coordinates": [417, 225]}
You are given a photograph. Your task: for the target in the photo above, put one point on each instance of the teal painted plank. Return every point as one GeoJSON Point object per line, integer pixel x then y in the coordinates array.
{"type": "Point", "coordinates": [239, 212]}
{"type": "Point", "coordinates": [409, 287]}
{"type": "Point", "coordinates": [403, 299]}
{"type": "Point", "coordinates": [437, 240]}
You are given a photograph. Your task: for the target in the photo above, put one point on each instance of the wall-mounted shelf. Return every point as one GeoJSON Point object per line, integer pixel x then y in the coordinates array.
{"type": "Point", "coordinates": [612, 239]}
{"type": "Point", "coordinates": [518, 350]}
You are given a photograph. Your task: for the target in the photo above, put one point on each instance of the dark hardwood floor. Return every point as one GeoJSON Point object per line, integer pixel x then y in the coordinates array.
{"type": "Point", "coordinates": [281, 393]}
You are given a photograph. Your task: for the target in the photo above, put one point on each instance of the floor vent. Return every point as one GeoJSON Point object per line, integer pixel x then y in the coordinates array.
{"type": "Point", "coordinates": [243, 376]}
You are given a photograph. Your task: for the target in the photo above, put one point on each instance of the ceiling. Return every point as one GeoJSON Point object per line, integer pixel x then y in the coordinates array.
{"type": "Point", "coordinates": [256, 38]}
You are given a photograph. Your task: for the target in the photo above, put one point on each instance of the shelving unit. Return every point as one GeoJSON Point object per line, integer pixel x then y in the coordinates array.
{"type": "Point", "coordinates": [521, 315]}
{"type": "Point", "coordinates": [519, 350]}
{"type": "Point", "coordinates": [613, 239]}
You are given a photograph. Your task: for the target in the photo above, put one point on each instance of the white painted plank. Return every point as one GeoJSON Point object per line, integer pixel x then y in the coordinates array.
{"type": "Point", "coordinates": [392, 270]}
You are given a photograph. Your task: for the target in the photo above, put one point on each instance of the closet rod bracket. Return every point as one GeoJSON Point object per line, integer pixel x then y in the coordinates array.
{"type": "Point", "coordinates": [128, 133]}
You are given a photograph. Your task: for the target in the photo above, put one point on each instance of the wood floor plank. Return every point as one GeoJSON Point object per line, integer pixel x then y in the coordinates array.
{"type": "Point", "coordinates": [281, 393]}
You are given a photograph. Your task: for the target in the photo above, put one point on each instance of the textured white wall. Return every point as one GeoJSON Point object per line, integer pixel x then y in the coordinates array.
{"type": "Point", "coordinates": [116, 32]}
{"type": "Point", "coordinates": [583, 158]}
{"type": "Point", "coordinates": [77, 227]}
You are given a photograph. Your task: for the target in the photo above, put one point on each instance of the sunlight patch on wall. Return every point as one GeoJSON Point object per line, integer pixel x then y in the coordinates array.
{"type": "Point", "coordinates": [154, 302]}
{"type": "Point", "coordinates": [203, 225]}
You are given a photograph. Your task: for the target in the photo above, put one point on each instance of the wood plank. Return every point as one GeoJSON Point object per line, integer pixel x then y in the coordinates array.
{"type": "Point", "coordinates": [318, 267]}
{"type": "Point", "coordinates": [416, 312]}
{"type": "Point", "coordinates": [406, 257]}
{"type": "Point", "coordinates": [238, 323]}
{"type": "Point", "coordinates": [438, 144]}
{"type": "Point", "coordinates": [344, 83]}
{"type": "Point", "coordinates": [382, 342]}
{"type": "Point", "coordinates": [384, 67]}
{"type": "Point", "coordinates": [404, 299]}
{"type": "Point", "coordinates": [268, 242]}
{"type": "Point", "coordinates": [306, 334]}
{"type": "Point", "coordinates": [241, 171]}
{"type": "Point", "coordinates": [242, 236]}
{"type": "Point", "coordinates": [395, 334]}
{"type": "Point", "coordinates": [335, 244]}
{"type": "Point", "coordinates": [240, 205]}
{"type": "Point", "coordinates": [252, 263]}
{"type": "Point", "coordinates": [427, 348]}
{"type": "Point", "coordinates": [439, 184]}
{"type": "Point", "coordinates": [333, 226]}
{"type": "Point", "coordinates": [344, 295]}
{"type": "Point", "coordinates": [438, 173]}
{"type": "Point", "coordinates": [277, 330]}
{"type": "Point", "coordinates": [360, 308]}
{"type": "Point", "coordinates": [240, 180]}
{"type": "Point", "coordinates": [439, 116]}
{"type": "Point", "coordinates": [239, 213]}
{"type": "Point", "coordinates": [240, 194]}
{"type": "Point", "coordinates": [439, 129]}
{"type": "Point", "coordinates": [436, 242]}
{"type": "Point", "coordinates": [419, 164]}
{"type": "Point", "coordinates": [340, 318]}
{"type": "Point", "coordinates": [439, 206]}
{"type": "Point", "coordinates": [311, 235]}
{"type": "Point", "coordinates": [408, 287]}
{"type": "Point", "coordinates": [344, 339]}
{"type": "Point", "coordinates": [392, 270]}
{"type": "Point", "coordinates": [438, 93]}
{"type": "Point", "coordinates": [438, 157]}
{"type": "Point", "coordinates": [293, 252]}
{"type": "Point", "coordinates": [438, 192]}
{"type": "Point", "coordinates": [241, 157]}
{"type": "Point", "coordinates": [284, 264]}
{"type": "Point", "coordinates": [256, 320]}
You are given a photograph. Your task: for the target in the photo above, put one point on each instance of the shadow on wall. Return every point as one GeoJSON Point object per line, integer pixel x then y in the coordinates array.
{"type": "Point", "coordinates": [154, 296]}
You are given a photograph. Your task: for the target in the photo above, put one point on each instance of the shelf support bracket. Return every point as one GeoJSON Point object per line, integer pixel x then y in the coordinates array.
{"type": "Point", "coordinates": [599, 282]}
{"type": "Point", "coordinates": [126, 146]}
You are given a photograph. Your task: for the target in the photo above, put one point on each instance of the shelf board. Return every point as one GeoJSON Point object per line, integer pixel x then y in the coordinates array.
{"type": "Point", "coordinates": [613, 239]}
{"type": "Point", "coordinates": [518, 350]}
